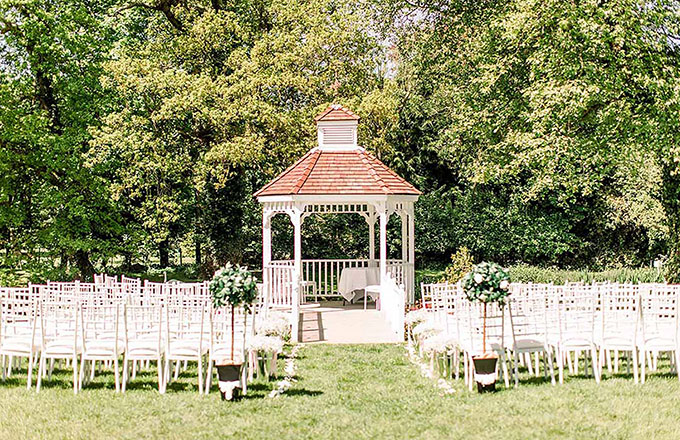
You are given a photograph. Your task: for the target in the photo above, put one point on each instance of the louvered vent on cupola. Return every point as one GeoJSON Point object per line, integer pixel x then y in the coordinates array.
{"type": "Point", "coordinates": [337, 128]}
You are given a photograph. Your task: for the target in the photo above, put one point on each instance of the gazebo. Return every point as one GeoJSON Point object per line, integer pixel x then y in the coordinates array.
{"type": "Point", "coordinates": [336, 177]}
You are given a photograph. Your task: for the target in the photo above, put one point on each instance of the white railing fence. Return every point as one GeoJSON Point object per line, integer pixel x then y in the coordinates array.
{"type": "Point", "coordinates": [278, 278]}
{"type": "Point", "coordinates": [320, 278]}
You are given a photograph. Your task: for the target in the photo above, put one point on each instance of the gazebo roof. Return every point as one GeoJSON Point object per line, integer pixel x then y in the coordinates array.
{"type": "Point", "coordinates": [336, 112]}
{"type": "Point", "coordinates": [343, 172]}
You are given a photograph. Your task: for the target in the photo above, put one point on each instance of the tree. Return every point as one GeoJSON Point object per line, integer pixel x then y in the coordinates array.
{"type": "Point", "coordinates": [214, 104]}
{"type": "Point", "coordinates": [49, 97]}
{"type": "Point", "coordinates": [544, 109]}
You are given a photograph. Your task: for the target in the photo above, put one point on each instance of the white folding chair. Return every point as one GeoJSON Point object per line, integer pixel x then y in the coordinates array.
{"type": "Point", "coordinates": [572, 309]}
{"type": "Point", "coordinates": [620, 312]}
{"type": "Point", "coordinates": [19, 337]}
{"type": "Point", "coordinates": [59, 337]}
{"type": "Point", "coordinates": [659, 325]}
{"type": "Point", "coordinates": [143, 339]}
{"type": "Point", "coordinates": [102, 338]}
{"type": "Point", "coordinates": [528, 330]}
{"type": "Point", "coordinates": [187, 338]}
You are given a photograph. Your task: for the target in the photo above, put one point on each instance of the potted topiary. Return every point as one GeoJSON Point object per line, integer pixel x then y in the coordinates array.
{"type": "Point", "coordinates": [232, 286]}
{"type": "Point", "coordinates": [486, 283]}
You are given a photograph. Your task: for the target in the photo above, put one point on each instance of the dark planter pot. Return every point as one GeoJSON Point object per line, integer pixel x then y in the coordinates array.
{"type": "Point", "coordinates": [230, 374]}
{"type": "Point", "coordinates": [485, 373]}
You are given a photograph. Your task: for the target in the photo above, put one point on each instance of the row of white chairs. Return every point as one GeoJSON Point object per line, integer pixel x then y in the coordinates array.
{"type": "Point", "coordinates": [110, 321]}
{"type": "Point", "coordinates": [562, 322]}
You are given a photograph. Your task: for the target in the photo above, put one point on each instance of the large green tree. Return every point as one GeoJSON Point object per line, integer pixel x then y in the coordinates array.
{"type": "Point", "coordinates": [546, 123]}
{"type": "Point", "coordinates": [219, 98]}
{"type": "Point", "coordinates": [51, 55]}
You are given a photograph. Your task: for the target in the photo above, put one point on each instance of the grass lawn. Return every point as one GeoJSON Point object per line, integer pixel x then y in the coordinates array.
{"type": "Point", "coordinates": [345, 392]}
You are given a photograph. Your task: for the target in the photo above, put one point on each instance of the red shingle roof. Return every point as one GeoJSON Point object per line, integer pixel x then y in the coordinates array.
{"type": "Point", "coordinates": [336, 112]}
{"type": "Point", "coordinates": [338, 172]}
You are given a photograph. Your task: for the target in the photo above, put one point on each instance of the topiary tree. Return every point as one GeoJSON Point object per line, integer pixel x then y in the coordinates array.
{"type": "Point", "coordinates": [486, 283]}
{"type": "Point", "coordinates": [233, 286]}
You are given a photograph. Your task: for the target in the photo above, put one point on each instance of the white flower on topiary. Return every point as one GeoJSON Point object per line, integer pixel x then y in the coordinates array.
{"type": "Point", "coordinates": [479, 278]}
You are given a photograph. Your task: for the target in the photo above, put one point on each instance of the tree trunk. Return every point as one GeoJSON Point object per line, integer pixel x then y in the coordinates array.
{"type": "Point", "coordinates": [164, 253]}
{"type": "Point", "coordinates": [198, 253]}
{"type": "Point", "coordinates": [127, 262]}
{"type": "Point", "coordinates": [84, 264]}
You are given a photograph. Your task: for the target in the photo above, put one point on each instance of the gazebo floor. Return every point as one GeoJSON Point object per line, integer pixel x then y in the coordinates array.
{"type": "Point", "coordinates": [333, 323]}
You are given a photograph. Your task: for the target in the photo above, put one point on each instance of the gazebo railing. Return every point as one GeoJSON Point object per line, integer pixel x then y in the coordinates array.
{"type": "Point", "coordinates": [279, 276]}
{"type": "Point", "coordinates": [320, 278]}
{"type": "Point", "coordinates": [324, 275]}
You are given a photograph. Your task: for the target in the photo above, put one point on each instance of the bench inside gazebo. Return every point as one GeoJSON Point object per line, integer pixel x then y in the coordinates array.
{"type": "Point", "coordinates": [339, 177]}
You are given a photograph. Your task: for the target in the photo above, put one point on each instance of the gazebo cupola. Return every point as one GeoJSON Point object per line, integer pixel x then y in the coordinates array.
{"type": "Point", "coordinates": [336, 177]}
{"type": "Point", "coordinates": [336, 129]}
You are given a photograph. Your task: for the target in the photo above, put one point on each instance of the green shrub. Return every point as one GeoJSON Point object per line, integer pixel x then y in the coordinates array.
{"type": "Point", "coordinates": [461, 264]}
{"type": "Point", "coordinates": [532, 274]}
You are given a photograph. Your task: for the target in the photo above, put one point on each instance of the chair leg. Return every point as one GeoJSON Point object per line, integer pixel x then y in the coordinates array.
{"type": "Point", "coordinates": [81, 374]}
{"type": "Point", "coordinates": [560, 366]}
{"type": "Point", "coordinates": [643, 366]}
{"type": "Point", "coordinates": [75, 374]}
{"type": "Point", "coordinates": [29, 372]}
{"type": "Point", "coordinates": [506, 378]}
{"type": "Point", "coordinates": [635, 364]}
{"type": "Point", "coordinates": [548, 352]}
{"type": "Point", "coordinates": [125, 373]}
{"type": "Point", "coordinates": [93, 368]}
{"type": "Point", "coordinates": [41, 370]}
{"type": "Point", "coordinates": [516, 361]}
{"type": "Point", "coordinates": [677, 362]}
{"type": "Point", "coordinates": [597, 364]}
{"type": "Point", "coordinates": [116, 373]}
{"type": "Point", "coordinates": [536, 360]}
{"type": "Point", "coordinates": [163, 382]}
{"type": "Point", "coordinates": [200, 374]}
{"type": "Point", "coordinates": [208, 376]}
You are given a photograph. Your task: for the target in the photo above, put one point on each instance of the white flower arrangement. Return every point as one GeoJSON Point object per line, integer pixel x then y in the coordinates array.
{"type": "Point", "coordinates": [439, 343]}
{"type": "Point", "coordinates": [276, 324]}
{"type": "Point", "coordinates": [415, 317]}
{"type": "Point", "coordinates": [283, 385]}
{"type": "Point", "coordinates": [267, 344]}
{"type": "Point", "coordinates": [427, 328]}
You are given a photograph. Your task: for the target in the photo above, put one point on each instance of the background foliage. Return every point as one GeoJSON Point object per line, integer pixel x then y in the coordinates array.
{"type": "Point", "coordinates": [132, 134]}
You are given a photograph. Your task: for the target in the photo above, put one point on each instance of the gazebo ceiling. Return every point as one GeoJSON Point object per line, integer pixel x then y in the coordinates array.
{"type": "Point", "coordinates": [333, 169]}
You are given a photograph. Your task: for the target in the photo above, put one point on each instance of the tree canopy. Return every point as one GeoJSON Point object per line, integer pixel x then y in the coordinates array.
{"type": "Point", "coordinates": [540, 132]}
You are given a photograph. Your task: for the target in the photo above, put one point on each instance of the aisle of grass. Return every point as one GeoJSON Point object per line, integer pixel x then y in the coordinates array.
{"type": "Point", "coordinates": [345, 392]}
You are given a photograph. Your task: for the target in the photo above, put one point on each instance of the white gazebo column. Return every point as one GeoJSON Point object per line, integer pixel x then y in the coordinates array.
{"type": "Point", "coordinates": [411, 252]}
{"type": "Point", "coordinates": [370, 219]}
{"type": "Point", "coordinates": [296, 218]}
{"type": "Point", "coordinates": [404, 237]}
{"type": "Point", "coordinates": [266, 255]}
{"type": "Point", "coordinates": [383, 216]}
